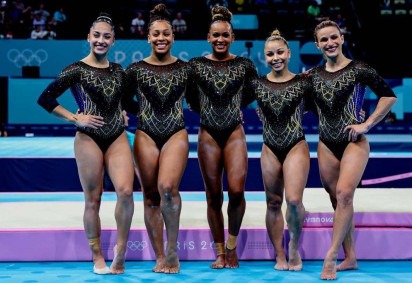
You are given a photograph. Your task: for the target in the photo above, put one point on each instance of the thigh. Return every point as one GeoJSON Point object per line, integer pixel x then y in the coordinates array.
{"type": "Point", "coordinates": [353, 164]}
{"type": "Point", "coordinates": [210, 161]}
{"type": "Point", "coordinates": [296, 171]}
{"type": "Point", "coordinates": [235, 159]}
{"type": "Point", "coordinates": [146, 155]}
{"type": "Point", "coordinates": [272, 174]}
{"type": "Point", "coordinates": [173, 159]}
{"type": "Point", "coordinates": [90, 164]}
{"type": "Point", "coordinates": [329, 167]}
{"type": "Point", "coordinates": [119, 163]}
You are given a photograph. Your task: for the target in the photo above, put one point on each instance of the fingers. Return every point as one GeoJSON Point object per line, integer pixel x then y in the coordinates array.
{"type": "Point", "coordinates": [90, 121]}
{"type": "Point", "coordinates": [352, 133]}
{"type": "Point", "coordinates": [125, 118]}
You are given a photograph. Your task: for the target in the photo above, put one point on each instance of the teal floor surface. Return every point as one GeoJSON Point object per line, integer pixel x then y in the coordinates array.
{"type": "Point", "coordinates": [199, 271]}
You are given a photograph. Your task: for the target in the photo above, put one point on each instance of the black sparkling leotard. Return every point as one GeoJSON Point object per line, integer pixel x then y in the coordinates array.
{"type": "Point", "coordinates": [338, 97]}
{"type": "Point", "coordinates": [282, 108]}
{"type": "Point", "coordinates": [218, 89]}
{"type": "Point", "coordinates": [97, 91]}
{"type": "Point", "coordinates": [159, 91]}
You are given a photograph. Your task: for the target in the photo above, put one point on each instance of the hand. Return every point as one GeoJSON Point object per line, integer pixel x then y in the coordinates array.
{"type": "Point", "coordinates": [260, 115]}
{"type": "Point", "coordinates": [125, 118]}
{"type": "Point", "coordinates": [354, 131]}
{"type": "Point", "coordinates": [90, 121]}
{"type": "Point", "coordinates": [362, 115]}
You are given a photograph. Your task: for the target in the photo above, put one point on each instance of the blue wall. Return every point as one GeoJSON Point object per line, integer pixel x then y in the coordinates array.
{"type": "Point", "coordinates": [53, 56]}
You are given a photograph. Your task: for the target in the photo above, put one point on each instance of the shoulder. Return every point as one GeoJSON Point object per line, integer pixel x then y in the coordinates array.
{"type": "Point", "coordinates": [74, 68]}
{"type": "Point", "coordinates": [196, 59]}
{"type": "Point", "coordinates": [182, 64]}
{"type": "Point", "coordinates": [313, 71]}
{"type": "Point", "coordinates": [358, 64]}
{"type": "Point", "coordinates": [133, 66]}
{"type": "Point", "coordinates": [363, 69]}
{"type": "Point", "coordinates": [116, 66]}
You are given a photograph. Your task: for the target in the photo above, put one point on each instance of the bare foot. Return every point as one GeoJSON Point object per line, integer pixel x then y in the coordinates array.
{"type": "Point", "coordinates": [347, 264]}
{"type": "Point", "coordinates": [100, 266]}
{"type": "Point", "coordinates": [117, 266]}
{"type": "Point", "coordinates": [295, 261]}
{"type": "Point", "coordinates": [281, 263]}
{"type": "Point", "coordinates": [99, 262]}
{"type": "Point", "coordinates": [231, 259]}
{"type": "Point", "coordinates": [329, 270]}
{"type": "Point", "coordinates": [172, 264]}
{"type": "Point", "coordinates": [160, 265]}
{"type": "Point", "coordinates": [219, 262]}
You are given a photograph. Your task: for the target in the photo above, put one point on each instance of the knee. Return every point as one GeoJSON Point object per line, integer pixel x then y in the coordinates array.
{"type": "Point", "coordinates": [236, 198]}
{"type": "Point", "coordinates": [294, 203]}
{"type": "Point", "coordinates": [93, 204]}
{"type": "Point", "coordinates": [125, 193]}
{"type": "Point", "coordinates": [274, 204]}
{"type": "Point", "coordinates": [168, 192]}
{"type": "Point", "coordinates": [166, 188]}
{"type": "Point", "coordinates": [152, 199]}
{"type": "Point", "coordinates": [344, 197]}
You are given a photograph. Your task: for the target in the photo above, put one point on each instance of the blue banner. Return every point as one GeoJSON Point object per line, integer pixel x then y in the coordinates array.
{"type": "Point", "coordinates": [53, 55]}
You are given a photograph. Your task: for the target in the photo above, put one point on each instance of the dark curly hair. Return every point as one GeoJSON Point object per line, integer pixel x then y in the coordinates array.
{"type": "Point", "coordinates": [159, 13]}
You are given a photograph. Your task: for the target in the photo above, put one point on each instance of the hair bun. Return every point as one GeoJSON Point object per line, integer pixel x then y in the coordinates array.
{"type": "Point", "coordinates": [160, 12]}
{"type": "Point", "coordinates": [221, 13]}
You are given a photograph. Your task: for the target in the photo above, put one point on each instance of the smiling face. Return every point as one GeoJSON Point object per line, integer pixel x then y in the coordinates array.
{"type": "Point", "coordinates": [277, 55]}
{"type": "Point", "coordinates": [220, 37]}
{"type": "Point", "coordinates": [101, 38]}
{"type": "Point", "coordinates": [329, 41]}
{"type": "Point", "coordinates": [161, 37]}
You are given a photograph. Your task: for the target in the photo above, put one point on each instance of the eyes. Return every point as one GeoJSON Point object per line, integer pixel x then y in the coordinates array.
{"type": "Point", "coordinates": [225, 34]}
{"type": "Point", "coordinates": [271, 53]}
{"type": "Point", "coordinates": [325, 38]}
{"type": "Point", "coordinates": [106, 36]}
{"type": "Point", "coordinates": [157, 33]}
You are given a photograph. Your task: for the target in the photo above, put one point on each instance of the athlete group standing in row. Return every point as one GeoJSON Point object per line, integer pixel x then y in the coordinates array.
{"type": "Point", "coordinates": [217, 87]}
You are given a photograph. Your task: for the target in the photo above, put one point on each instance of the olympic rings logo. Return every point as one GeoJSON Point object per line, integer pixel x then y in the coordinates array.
{"type": "Point", "coordinates": [27, 57]}
{"type": "Point", "coordinates": [137, 245]}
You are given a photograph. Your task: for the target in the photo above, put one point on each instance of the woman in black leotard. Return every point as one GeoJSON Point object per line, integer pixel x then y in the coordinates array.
{"type": "Point", "coordinates": [285, 153]}
{"type": "Point", "coordinates": [161, 145]}
{"type": "Point", "coordinates": [343, 149]}
{"type": "Point", "coordinates": [100, 142]}
{"type": "Point", "coordinates": [222, 85]}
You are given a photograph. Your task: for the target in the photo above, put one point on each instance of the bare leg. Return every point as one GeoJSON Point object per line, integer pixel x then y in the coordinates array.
{"type": "Point", "coordinates": [350, 170]}
{"type": "Point", "coordinates": [236, 166]}
{"type": "Point", "coordinates": [272, 174]}
{"type": "Point", "coordinates": [350, 262]}
{"type": "Point", "coordinates": [146, 156]}
{"type": "Point", "coordinates": [173, 159]}
{"type": "Point", "coordinates": [89, 159]}
{"type": "Point", "coordinates": [120, 166]}
{"type": "Point", "coordinates": [295, 171]}
{"type": "Point", "coordinates": [210, 162]}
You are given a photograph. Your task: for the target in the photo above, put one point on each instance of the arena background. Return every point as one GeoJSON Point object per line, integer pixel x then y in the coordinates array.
{"type": "Point", "coordinates": [27, 66]}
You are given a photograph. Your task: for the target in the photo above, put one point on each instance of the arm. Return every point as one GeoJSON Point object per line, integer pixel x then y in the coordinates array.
{"type": "Point", "coordinates": [192, 94]}
{"type": "Point", "coordinates": [79, 119]}
{"type": "Point", "coordinates": [128, 102]}
{"type": "Point", "coordinates": [382, 109]}
{"type": "Point", "coordinates": [387, 98]}
{"type": "Point", "coordinates": [48, 100]}
{"type": "Point", "coordinates": [248, 95]}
